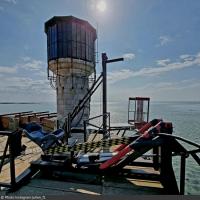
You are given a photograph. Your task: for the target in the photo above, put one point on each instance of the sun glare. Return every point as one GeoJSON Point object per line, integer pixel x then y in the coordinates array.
{"type": "Point", "coordinates": [101, 6]}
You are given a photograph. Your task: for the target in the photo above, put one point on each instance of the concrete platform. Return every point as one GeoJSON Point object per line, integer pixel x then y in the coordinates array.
{"type": "Point", "coordinates": [109, 186]}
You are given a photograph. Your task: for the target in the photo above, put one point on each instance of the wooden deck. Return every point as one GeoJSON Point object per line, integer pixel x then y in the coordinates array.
{"type": "Point", "coordinates": [22, 162]}
{"type": "Point", "coordinates": [39, 186]}
{"type": "Point", "coordinates": [108, 186]}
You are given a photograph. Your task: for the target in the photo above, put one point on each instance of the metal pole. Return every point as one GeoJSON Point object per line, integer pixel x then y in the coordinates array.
{"type": "Point", "coordinates": [104, 61]}
{"type": "Point", "coordinates": [104, 69]}
{"type": "Point", "coordinates": [135, 111]}
{"type": "Point", "coordinates": [129, 110]}
{"type": "Point", "coordinates": [109, 120]}
{"type": "Point", "coordinates": [68, 127]}
{"type": "Point", "coordinates": [85, 131]}
{"type": "Point", "coordinates": [182, 174]}
{"type": "Point", "coordinates": [12, 161]}
{"type": "Point", "coordinates": [148, 112]}
{"type": "Point", "coordinates": [4, 155]}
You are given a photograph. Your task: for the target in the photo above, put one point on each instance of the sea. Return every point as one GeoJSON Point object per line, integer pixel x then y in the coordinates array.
{"type": "Point", "coordinates": [185, 117]}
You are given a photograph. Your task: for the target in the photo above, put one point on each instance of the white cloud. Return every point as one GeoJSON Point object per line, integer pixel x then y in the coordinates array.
{"type": "Point", "coordinates": [26, 58]}
{"type": "Point", "coordinates": [164, 40]}
{"type": "Point", "coordinates": [119, 75]}
{"type": "Point", "coordinates": [28, 64]}
{"type": "Point", "coordinates": [187, 57]}
{"type": "Point", "coordinates": [26, 89]}
{"type": "Point", "coordinates": [17, 86]}
{"type": "Point", "coordinates": [184, 90]}
{"type": "Point", "coordinates": [116, 76]}
{"type": "Point", "coordinates": [11, 1]}
{"type": "Point", "coordinates": [163, 67]}
{"type": "Point", "coordinates": [129, 56]}
{"type": "Point", "coordinates": [42, 74]}
{"type": "Point", "coordinates": [171, 86]}
{"type": "Point", "coordinates": [8, 70]}
{"type": "Point", "coordinates": [163, 62]}
{"type": "Point", "coordinates": [31, 64]}
{"type": "Point", "coordinates": [27, 83]}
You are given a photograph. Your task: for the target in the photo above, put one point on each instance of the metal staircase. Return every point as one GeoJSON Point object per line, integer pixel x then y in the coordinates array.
{"type": "Point", "coordinates": [71, 116]}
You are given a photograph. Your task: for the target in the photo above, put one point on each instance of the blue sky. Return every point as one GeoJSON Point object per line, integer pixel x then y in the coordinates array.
{"type": "Point", "coordinates": [163, 36]}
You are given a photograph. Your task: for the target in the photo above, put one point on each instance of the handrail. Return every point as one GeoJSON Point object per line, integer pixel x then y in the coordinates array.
{"type": "Point", "coordinates": [191, 152]}
{"type": "Point", "coordinates": [5, 133]}
{"type": "Point", "coordinates": [80, 106]}
{"type": "Point", "coordinates": [94, 117]}
{"type": "Point", "coordinates": [107, 114]}
{"type": "Point", "coordinates": [17, 113]}
{"type": "Point", "coordinates": [180, 138]}
{"type": "Point", "coordinates": [86, 122]}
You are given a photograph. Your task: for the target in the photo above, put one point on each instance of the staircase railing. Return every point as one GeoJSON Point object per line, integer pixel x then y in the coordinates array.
{"type": "Point", "coordinates": [99, 128]}
{"type": "Point", "coordinates": [71, 116]}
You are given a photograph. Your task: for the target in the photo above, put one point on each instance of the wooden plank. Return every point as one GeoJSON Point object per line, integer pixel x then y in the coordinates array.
{"type": "Point", "coordinates": [131, 187]}
{"type": "Point", "coordinates": [9, 123]}
{"type": "Point", "coordinates": [22, 162]}
{"type": "Point", "coordinates": [34, 119]}
{"type": "Point", "coordinates": [48, 124]}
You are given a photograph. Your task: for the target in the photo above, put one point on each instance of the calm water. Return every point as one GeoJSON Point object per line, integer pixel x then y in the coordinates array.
{"type": "Point", "coordinates": [185, 117]}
